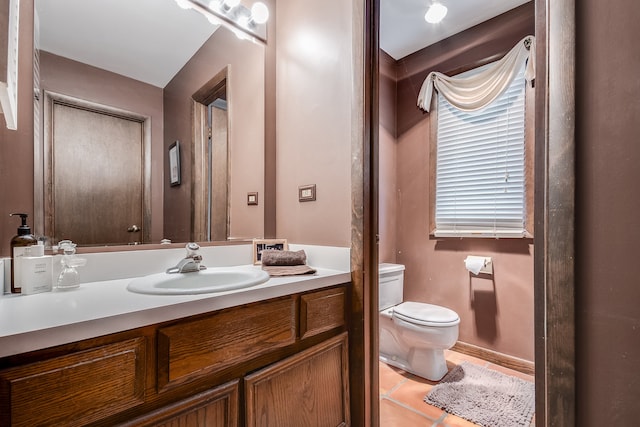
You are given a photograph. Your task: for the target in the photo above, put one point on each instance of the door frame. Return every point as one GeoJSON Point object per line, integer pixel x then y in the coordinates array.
{"type": "Point", "coordinates": [554, 260]}
{"type": "Point", "coordinates": [43, 161]}
{"type": "Point", "coordinates": [199, 155]}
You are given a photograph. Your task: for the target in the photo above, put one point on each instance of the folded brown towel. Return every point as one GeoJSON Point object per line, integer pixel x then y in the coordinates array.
{"type": "Point", "coordinates": [285, 263]}
{"type": "Point", "coordinates": [275, 257]}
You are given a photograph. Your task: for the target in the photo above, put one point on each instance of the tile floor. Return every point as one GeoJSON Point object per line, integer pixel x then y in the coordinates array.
{"type": "Point", "coordinates": [402, 394]}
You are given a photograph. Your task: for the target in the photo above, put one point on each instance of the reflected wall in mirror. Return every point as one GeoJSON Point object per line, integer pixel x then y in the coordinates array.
{"type": "Point", "coordinates": [87, 53]}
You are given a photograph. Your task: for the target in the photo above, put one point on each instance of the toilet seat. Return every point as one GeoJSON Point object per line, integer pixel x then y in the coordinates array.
{"type": "Point", "coordinates": [424, 314]}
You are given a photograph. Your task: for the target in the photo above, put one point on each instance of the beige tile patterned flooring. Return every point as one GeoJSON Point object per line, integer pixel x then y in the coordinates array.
{"type": "Point", "coordinates": [402, 394]}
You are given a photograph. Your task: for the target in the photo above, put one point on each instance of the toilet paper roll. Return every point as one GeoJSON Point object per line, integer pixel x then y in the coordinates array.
{"type": "Point", "coordinates": [474, 264]}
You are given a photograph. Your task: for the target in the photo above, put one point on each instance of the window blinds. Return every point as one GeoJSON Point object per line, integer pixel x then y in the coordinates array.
{"type": "Point", "coordinates": [480, 189]}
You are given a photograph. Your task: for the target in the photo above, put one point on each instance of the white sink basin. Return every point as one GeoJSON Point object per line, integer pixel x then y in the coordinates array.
{"type": "Point", "coordinates": [213, 279]}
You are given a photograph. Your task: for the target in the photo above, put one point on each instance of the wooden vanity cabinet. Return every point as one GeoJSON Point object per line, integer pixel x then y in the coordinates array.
{"type": "Point", "coordinates": [278, 362]}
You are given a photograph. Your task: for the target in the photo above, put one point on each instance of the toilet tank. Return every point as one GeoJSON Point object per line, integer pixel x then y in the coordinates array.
{"type": "Point", "coordinates": [390, 284]}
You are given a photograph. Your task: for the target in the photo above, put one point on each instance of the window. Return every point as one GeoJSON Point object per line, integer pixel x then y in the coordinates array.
{"type": "Point", "coordinates": [481, 173]}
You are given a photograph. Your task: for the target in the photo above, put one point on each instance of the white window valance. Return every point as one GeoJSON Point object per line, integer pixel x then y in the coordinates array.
{"type": "Point", "coordinates": [476, 92]}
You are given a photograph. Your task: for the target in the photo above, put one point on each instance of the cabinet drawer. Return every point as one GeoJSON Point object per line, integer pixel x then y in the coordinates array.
{"type": "Point", "coordinates": [75, 389]}
{"type": "Point", "coordinates": [322, 311]}
{"type": "Point", "coordinates": [193, 348]}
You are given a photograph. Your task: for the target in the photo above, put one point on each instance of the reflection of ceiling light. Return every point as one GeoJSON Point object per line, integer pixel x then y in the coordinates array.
{"type": "Point", "coordinates": [436, 13]}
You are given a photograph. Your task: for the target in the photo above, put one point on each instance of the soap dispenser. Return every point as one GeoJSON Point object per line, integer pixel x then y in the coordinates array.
{"type": "Point", "coordinates": [68, 278]}
{"type": "Point", "coordinates": [19, 245]}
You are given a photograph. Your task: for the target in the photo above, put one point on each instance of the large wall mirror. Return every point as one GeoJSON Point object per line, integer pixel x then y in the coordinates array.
{"type": "Point", "coordinates": [121, 84]}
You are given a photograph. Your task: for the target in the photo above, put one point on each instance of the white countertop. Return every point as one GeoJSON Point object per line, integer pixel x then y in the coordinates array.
{"type": "Point", "coordinates": [33, 322]}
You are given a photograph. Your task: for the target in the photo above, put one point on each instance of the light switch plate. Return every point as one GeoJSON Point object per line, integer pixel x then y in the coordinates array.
{"type": "Point", "coordinates": [307, 193]}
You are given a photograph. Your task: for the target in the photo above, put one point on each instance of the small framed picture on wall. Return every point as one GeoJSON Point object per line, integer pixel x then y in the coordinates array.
{"type": "Point", "coordinates": [174, 163]}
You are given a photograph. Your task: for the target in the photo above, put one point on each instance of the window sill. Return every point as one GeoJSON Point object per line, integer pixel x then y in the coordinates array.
{"type": "Point", "coordinates": [471, 234]}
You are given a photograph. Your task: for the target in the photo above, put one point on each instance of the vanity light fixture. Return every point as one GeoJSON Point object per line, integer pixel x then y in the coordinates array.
{"type": "Point", "coordinates": [435, 13]}
{"type": "Point", "coordinates": [230, 4]}
{"type": "Point", "coordinates": [245, 23]}
{"type": "Point", "coordinates": [259, 13]}
{"type": "Point", "coordinates": [258, 16]}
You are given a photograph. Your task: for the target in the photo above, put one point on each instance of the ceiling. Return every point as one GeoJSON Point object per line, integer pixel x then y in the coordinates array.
{"type": "Point", "coordinates": [403, 29]}
{"type": "Point", "coordinates": [150, 40]}
{"type": "Point", "coordinates": [147, 40]}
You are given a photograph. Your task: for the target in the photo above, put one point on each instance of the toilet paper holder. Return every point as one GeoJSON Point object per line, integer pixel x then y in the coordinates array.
{"type": "Point", "coordinates": [486, 266]}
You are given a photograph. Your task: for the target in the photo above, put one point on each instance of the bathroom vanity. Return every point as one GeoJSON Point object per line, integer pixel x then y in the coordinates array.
{"type": "Point", "coordinates": [274, 354]}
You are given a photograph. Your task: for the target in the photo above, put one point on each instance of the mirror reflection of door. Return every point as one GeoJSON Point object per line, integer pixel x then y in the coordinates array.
{"type": "Point", "coordinates": [107, 148]}
{"type": "Point", "coordinates": [210, 161]}
{"type": "Point", "coordinates": [217, 217]}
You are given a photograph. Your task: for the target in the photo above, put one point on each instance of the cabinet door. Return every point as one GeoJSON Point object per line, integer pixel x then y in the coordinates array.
{"type": "Point", "coordinates": [75, 389]}
{"type": "Point", "coordinates": [309, 389]}
{"type": "Point", "coordinates": [217, 407]}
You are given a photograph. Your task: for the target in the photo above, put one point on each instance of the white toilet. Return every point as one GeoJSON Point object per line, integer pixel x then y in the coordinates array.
{"type": "Point", "coordinates": [413, 335]}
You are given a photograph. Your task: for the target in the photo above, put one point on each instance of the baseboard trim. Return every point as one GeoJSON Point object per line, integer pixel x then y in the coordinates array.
{"type": "Point", "coordinates": [501, 359]}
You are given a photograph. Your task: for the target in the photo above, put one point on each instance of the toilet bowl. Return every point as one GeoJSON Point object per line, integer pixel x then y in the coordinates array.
{"type": "Point", "coordinates": [413, 335]}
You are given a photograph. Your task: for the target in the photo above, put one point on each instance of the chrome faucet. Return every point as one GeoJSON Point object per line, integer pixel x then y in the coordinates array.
{"type": "Point", "coordinates": [191, 263]}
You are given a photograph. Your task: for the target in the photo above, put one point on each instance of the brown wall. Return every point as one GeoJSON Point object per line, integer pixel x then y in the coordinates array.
{"type": "Point", "coordinates": [314, 93]}
{"type": "Point", "coordinates": [67, 77]}
{"type": "Point", "coordinates": [607, 213]}
{"type": "Point", "coordinates": [16, 146]}
{"type": "Point", "coordinates": [495, 313]}
{"type": "Point", "coordinates": [245, 96]}
{"type": "Point", "coordinates": [387, 186]}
